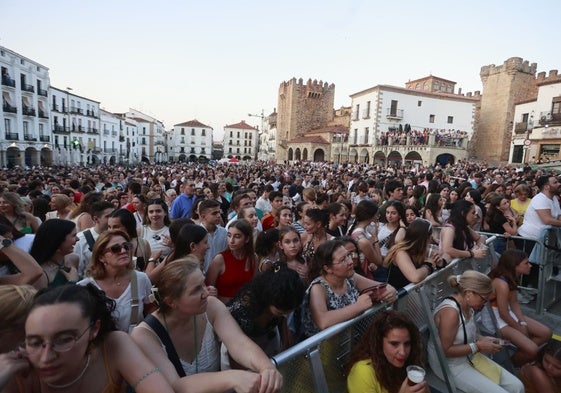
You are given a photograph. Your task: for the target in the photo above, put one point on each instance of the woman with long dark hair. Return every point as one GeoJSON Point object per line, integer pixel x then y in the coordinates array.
{"type": "Point", "coordinates": [457, 239]}
{"type": "Point", "coordinates": [53, 249]}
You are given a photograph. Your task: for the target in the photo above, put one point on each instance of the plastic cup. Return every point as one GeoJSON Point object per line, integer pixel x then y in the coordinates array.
{"type": "Point", "coordinates": [432, 251]}
{"type": "Point", "coordinates": [415, 375]}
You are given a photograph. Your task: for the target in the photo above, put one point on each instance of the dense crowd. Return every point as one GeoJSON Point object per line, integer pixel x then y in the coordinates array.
{"type": "Point", "coordinates": [190, 276]}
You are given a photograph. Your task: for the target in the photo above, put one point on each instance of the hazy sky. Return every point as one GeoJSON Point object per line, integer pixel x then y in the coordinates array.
{"type": "Point", "coordinates": [217, 61]}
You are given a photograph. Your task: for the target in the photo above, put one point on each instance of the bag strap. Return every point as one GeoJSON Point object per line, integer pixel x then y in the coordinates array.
{"type": "Point", "coordinates": [134, 299]}
{"type": "Point", "coordinates": [166, 340]}
{"type": "Point", "coordinates": [89, 238]}
{"type": "Point", "coordinates": [461, 316]}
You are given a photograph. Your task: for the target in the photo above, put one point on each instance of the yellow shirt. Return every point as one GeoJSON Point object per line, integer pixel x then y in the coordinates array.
{"type": "Point", "coordinates": [362, 379]}
{"type": "Point", "coordinates": [520, 208]}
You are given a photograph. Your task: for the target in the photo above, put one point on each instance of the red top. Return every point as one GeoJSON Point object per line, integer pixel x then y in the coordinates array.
{"type": "Point", "coordinates": [234, 276]}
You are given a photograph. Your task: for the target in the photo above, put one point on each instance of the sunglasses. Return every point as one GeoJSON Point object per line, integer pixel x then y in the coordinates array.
{"type": "Point", "coordinates": [116, 248]}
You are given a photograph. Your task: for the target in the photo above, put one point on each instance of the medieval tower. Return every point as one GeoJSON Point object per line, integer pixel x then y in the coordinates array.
{"type": "Point", "coordinates": [503, 87]}
{"type": "Point", "coordinates": [301, 108]}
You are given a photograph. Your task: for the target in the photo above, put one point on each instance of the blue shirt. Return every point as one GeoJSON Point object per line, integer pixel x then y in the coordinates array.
{"type": "Point", "coordinates": [181, 206]}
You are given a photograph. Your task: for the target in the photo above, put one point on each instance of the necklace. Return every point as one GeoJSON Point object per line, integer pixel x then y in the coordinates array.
{"type": "Point", "coordinates": [64, 386]}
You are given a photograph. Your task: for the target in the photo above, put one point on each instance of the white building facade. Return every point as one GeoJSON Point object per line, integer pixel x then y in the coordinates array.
{"type": "Point", "coordinates": [241, 141]}
{"type": "Point", "coordinates": [536, 133]}
{"type": "Point", "coordinates": [191, 141]}
{"type": "Point", "coordinates": [394, 124]}
{"type": "Point", "coordinates": [25, 136]}
{"type": "Point", "coordinates": [75, 121]}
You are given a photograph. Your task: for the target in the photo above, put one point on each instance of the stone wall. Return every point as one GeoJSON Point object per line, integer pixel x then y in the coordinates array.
{"type": "Point", "coordinates": [503, 87]}
{"type": "Point", "coordinates": [302, 107]}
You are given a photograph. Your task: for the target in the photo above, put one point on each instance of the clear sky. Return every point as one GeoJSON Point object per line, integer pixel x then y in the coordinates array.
{"type": "Point", "coordinates": [217, 61]}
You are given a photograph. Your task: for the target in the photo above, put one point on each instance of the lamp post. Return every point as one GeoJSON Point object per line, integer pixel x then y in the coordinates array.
{"type": "Point", "coordinates": [262, 117]}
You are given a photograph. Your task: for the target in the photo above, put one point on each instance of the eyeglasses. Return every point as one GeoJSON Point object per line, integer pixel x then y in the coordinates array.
{"type": "Point", "coordinates": [64, 342]}
{"type": "Point", "coordinates": [483, 298]}
{"type": "Point", "coordinates": [345, 259]}
{"type": "Point", "coordinates": [116, 248]}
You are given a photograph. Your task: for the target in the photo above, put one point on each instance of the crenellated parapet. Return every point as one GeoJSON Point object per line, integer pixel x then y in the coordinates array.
{"type": "Point", "coordinates": [512, 65]}
{"type": "Point", "coordinates": [553, 77]}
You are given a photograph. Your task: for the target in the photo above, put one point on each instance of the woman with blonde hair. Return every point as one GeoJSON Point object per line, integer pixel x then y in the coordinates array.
{"type": "Point", "coordinates": [191, 324]}
{"type": "Point", "coordinates": [455, 321]}
{"type": "Point", "coordinates": [112, 270]}
{"type": "Point", "coordinates": [309, 195]}
{"type": "Point", "coordinates": [13, 208]}
{"type": "Point", "coordinates": [15, 303]}
{"type": "Point", "coordinates": [60, 204]}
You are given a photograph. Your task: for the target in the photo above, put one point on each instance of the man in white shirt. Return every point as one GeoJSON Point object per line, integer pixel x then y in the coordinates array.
{"type": "Point", "coordinates": [100, 212]}
{"type": "Point", "coordinates": [543, 209]}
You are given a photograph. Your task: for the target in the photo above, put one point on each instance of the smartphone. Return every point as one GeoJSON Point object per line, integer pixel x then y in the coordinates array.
{"type": "Point", "coordinates": [373, 288]}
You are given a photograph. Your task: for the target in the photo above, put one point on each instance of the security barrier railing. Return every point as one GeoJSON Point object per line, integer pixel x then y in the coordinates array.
{"type": "Point", "coordinates": [320, 362]}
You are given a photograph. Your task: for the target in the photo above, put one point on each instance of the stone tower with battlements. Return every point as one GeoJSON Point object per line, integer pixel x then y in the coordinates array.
{"type": "Point", "coordinates": [503, 86]}
{"type": "Point", "coordinates": [302, 107]}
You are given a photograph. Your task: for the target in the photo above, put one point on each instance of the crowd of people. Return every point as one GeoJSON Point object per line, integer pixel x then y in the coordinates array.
{"type": "Point", "coordinates": [188, 277]}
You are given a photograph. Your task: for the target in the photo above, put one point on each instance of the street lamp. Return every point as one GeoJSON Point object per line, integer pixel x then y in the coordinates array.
{"type": "Point", "coordinates": [262, 117]}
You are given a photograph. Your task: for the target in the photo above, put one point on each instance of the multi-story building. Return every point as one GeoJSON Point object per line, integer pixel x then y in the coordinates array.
{"type": "Point", "coordinates": [536, 131]}
{"type": "Point", "coordinates": [75, 121]}
{"type": "Point", "coordinates": [192, 141]}
{"type": "Point", "coordinates": [25, 137]}
{"type": "Point", "coordinates": [241, 141]}
{"type": "Point", "coordinates": [150, 136]}
{"type": "Point", "coordinates": [112, 149]}
{"type": "Point", "coordinates": [395, 125]}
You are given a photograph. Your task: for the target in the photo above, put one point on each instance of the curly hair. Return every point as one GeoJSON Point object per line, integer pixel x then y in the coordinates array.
{"type": "Point", "coordinates": [371, 347]}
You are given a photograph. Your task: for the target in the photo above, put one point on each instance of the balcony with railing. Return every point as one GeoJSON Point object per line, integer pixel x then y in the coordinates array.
{"type": "Point", "coordinates": [42, 114]}
{"type": "Point", "coordinates": [7, 81]}
{"type": "Point", "coordinates": [159, 143]}
{"type": "Point", "coordinates": [42, 92]}
{"type": "Point", "coordinates": [106, 132]}
{"type": "Point", "coordinates": [29, 138]}
{"type": "Point", "coordinates": [77, 110]}
{"type": "Point", "coordinates": [395, 114]}
{"type": "Point", "coordinates": [61, 129]}
{"type": "Point", "coordinates": [95, 130]}
{"type": "Point", "coordinates": [45, 138]}
{"type": "Point", "coordinates": [110, 150]}
{"type": "Point", "coordinates": [9, 109]}
{"type": "Point", "coordinates": [550, 119]}
{"type": "Point", "coordinates": [12, 136]}
{"type": "Point", "coordinates": [54, 107]}
{"type": "Point", "coordinates": [76, 128]}
{"type": "Point", "coordinates": [96, 150]}
{"type": "Point", "coordinates": [28, 111]}
{"type": "Point", "coordinates": [366, 113]}
{"type": "Point", "coordinates": [28, 88]}
{"type": "Point", "coordinates": [521, 128]}
{"type": "Point", "coordinates": [90, 113]}
{"type": "Point", "coordinates": [113, 133]}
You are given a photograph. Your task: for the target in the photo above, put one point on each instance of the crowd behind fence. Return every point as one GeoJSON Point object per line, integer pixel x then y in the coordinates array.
{"type": "Point", "coordinates": [322, 359]}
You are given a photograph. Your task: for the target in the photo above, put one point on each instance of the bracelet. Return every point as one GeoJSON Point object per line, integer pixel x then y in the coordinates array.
{"type": "Point", "coordinates": [429, 266]}
{"type": "Point", "coordinates": [473, 347]}
{"type": "Point", "coordinates": [523, 323]}
{"type": "Point", "coordinates": [470, 253]}
{"type": "Point", "coordinates": [156, 370]}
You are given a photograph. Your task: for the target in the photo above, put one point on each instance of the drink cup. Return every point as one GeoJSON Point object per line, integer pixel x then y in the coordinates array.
{"type": "Point", "coordinates": [415, 375]}
{"type": "Point", "coordinates": [432, 251]}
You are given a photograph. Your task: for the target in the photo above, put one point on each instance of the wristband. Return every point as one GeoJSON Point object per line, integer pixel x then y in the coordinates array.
{"type": "Point", "coordinates": [473, 347]}
{"type": "Point", "coordinates": [470, 253]}
{"type": "Point", "coordinates": [523, 323]}
{"type": "Point", "coordinates": [429, 266]}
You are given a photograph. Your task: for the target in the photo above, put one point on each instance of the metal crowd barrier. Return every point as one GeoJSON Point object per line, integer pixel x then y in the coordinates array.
{"type": "Point", "coordinates": [321, 361]}
{"type": "Point", "coordinates": [545, 252]}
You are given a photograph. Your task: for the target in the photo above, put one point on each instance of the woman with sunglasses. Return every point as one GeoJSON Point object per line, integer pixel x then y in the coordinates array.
{"type": "Point", "coordinates": [123, 220]}
{"type": "Point", "coordinates": [455, 321]}
{"type": "Point", "coordinates": [407, 261]}
{"type": "Point", "coordinates": [112, 270]}
{"type": "Point", "coordinates": [156, 228]}
{"type": "Point", "coordinates": [71, 345]}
